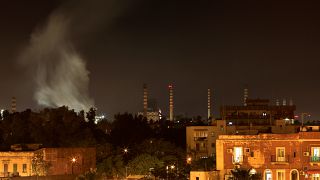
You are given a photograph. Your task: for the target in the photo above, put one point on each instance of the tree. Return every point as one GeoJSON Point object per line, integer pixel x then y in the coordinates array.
{"type": "Point", "coordinates": [244, 174]}
{"type": "Point", "coordinates": [39, 166]}
{"type": "Point", "coordinates": [143, 164]}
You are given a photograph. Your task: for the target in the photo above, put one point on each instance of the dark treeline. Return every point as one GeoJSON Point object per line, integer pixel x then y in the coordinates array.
{"type": "Point", "coordinates": [126, 145]}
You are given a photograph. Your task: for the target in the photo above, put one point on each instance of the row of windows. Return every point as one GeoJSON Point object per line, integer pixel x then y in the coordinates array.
{"type": "Point", "coordinates": [14, 168]}
{"type": "Point", "coordinates": [279, 157]}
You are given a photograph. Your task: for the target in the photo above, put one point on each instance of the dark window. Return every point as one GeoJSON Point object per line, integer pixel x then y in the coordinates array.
{"type": "Point", "coordinates": [213, 145]}
{"type": "Point", "coordinates": [5, 168]}
{"type": "Point", "coordinates": [15, 168]}
{"type": "Point", "coordinates": [251, 154]}
{"type": "Point", "coordinates": [197, 147]}
{"type": "Point", "coordinates": [197, 178]}
{"type": "Point", "coordinates": [294, 154]}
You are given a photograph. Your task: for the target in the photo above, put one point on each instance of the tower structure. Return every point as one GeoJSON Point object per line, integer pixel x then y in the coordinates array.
{"type": "Point", "coordinates": [13, 105]}
{"type": "Point", "coordinates": [284, 102]}
{"type": "Point", "coordinates": [209, 103]}
{"type": "Point", "coordinates": [145, 100]}
{"type": "Point", "coordinates": [245, 96]}
{"type": "Point", "coordinates": [171, 102]}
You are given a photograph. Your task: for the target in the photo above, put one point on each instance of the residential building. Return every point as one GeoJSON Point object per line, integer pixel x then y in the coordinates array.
{"type": "Point", "coordinates": [60, 161]}
{"type": "Point", "coordinates": [294, 156]}
{"type": "Point", "coordinates": [69, 160]}
{"type": "Point", "coordinates": [254, 118]}
{"type": "Point", "coordinates": [15, 164]}
{"type": "Point", "coordinates": [257, 112]}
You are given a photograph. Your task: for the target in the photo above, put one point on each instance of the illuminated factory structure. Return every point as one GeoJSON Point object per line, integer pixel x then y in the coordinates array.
{"type": "Point", "coordinates": [150, 110]}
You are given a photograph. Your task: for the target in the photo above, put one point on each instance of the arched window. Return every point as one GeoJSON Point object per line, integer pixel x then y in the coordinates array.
{"type": "Point", "coordinates": [294, 174]}
{"type": "Point", "coordinates": [267, 174]}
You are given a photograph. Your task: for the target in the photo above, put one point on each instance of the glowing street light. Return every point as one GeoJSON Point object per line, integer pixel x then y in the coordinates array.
{"type": "Point", "coordinates": [125, 150]}
{"type": "Point", "coordinates": [73, 161]}
{"type": "Point", "coordinates": [189, 159]}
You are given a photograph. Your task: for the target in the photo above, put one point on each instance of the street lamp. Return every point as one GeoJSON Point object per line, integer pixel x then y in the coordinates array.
{"type": "Point", "coordinates": [189, 160]}
{"type": "Point", "coordinates": [73, 161]}
{"type": "Point", "coordinates": [167, 172]}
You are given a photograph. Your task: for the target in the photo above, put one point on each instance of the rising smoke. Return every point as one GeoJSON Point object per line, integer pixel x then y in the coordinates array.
{"type": "Point", "coordinates": [61, 75]}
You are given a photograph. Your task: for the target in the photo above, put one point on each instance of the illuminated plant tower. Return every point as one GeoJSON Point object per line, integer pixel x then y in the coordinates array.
{"type": "Point", "coordinates": [13, 105]}
{"type": "Point", "coordinates": [171, 102]}
{"type": "Point", "coordinates": [145, 100]}
{"type": "Point", "coordinates": [209, 103]}
{"type": "Point", "coordinates": [245, 96]}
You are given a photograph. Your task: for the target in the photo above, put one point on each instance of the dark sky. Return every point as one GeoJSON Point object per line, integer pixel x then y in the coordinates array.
{"type": "Point", "coordinates": [272, 46]}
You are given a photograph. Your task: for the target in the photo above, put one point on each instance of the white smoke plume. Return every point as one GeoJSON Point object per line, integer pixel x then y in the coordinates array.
{"type": "Point", "coordinates": [62, 78]}
{"type": "Point", "coordinates": [61, 75]}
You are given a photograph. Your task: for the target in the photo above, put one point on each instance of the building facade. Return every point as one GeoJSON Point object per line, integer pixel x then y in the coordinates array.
{"type": "Point", "coordinates": [69, 160]}
{"type": "Point", "coordinates": [59, 161]}
{"type": "Point", "coordinates": [15, 164]}
{"type": "Point", "coordinates": [258, 116]}
{"type": "Point", "coordinates": [275, 156]}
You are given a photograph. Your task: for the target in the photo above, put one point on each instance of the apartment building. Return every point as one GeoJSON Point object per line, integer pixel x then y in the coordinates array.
{"type": "Point", "coordinates": [293, 156]}
{"type": "Point", "coordinates": [52, 161]}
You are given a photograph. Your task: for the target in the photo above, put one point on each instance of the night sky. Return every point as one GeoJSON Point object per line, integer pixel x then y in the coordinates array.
{"type": "Point", "coordinates": [271, 46]}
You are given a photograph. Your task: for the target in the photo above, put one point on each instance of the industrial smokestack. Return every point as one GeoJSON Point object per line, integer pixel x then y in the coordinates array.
{"type": "Point", "coordinates": [209, 103]}
{"type": "Point", "coordinates": [245, 96]}
{"type": "Point", "coordinates": [171, 102]}
{"type": "Point", "coordinates": [145, 100]}
{"type": "Point", "coordinates": [13, 105]}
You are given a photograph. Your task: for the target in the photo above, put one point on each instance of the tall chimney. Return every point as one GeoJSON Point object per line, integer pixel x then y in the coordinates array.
{"type": "Point", "coordinates": [145, 100]}
{"type": "Point", "coordinates": [171, 102]}
{"type": "Point", "coordinates": [13, 105]}
{"type": "Point", "coordinates": [209, 103]}
{"type": "Point", "coordinates": [245, 96]}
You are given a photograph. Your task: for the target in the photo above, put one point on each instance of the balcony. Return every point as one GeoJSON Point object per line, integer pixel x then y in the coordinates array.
{"type": "Point", "coordinates": [237, 159]}
{"type": "Point", "coordinates": [200, 138]}
{"type": "Point", "coordinates": [279, 160]}
{"type": "Point", "coordinates": [314, 160]}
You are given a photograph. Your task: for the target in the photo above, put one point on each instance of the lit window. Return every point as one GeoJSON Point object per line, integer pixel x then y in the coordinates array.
{"type": "Point", "coordinates": [316, 177]}
{"type": "Point", "coordinates": [315, 156]}
{"type": "Point", "coordinates": [280, 154]}
{"type": "Point", "coordinates": [237, 155]}
{"type": "Point", "coordinates": [280, 174]}
{"type": "Point", "coordinates": [24, 168]}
